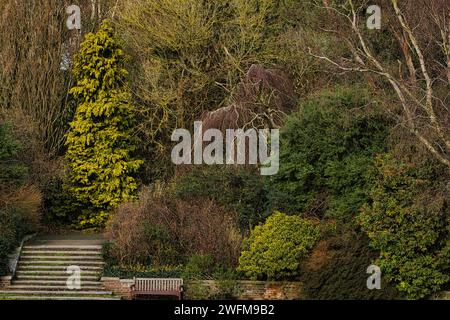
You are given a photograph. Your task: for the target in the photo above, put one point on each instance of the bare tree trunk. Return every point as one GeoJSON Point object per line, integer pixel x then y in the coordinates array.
{"type": "Point", "coordinates": [93, 9]}
{"type": "Point", "coordinates": [408, 57]}
{"type": "Point", "coordinates": [448, 53]}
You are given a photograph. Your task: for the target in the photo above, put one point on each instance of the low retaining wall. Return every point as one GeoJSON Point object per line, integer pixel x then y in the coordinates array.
{"type": "Point", "coordinates": [120, 287]}
{"type": "Point", "coordinates": [15, 256]}
{"type": "Point", "coordinates": [229, 289]}
{"type": "Point", "coordinates": [445, 295]}
{"type": "Point", "coordinates": [5, 282]}
{"type": "Point", "coordinates": [243, 290]}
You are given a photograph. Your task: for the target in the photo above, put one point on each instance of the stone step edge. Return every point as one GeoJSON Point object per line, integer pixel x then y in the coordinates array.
{"type": "Point", "coordinates": [61, 263]}
{"type": "Point", "coordinates": [45, 267]}
{"type": "Point", "coordinates": [50, 283]}
{"type": "Point", "coordinates": [54, 257]}
{"type": "Point", "coordinates": [34, 287]}
{"type": "Point", "coordinates": [56, 278]}
{"type": "Point", "coordinates": [67, 292]}
{"type": "Point", "coordinates": [56, 298]}
{"type": "Point", "coordinates": [61, 252]}
{"type": "Point", "coordinates": [83, 266]}
{"type": "Point", "coordinates": [55, 273]}
{"type": "Point", "coordinates": [69, 246]}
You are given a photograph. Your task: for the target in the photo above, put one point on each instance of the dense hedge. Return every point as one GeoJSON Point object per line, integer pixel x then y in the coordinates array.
{"type": "Point", "coordinates": [327, 148]}
{"type": "Point", "coordinates": [408, 221]}
{"type": "Point", "coordinates": [337, 269]}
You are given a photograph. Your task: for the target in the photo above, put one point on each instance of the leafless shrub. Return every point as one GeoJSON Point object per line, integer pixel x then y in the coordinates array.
{"type": "Point", "coordinates": [27, 201]}
{"type": "Point", "coordinates": [184, 228]}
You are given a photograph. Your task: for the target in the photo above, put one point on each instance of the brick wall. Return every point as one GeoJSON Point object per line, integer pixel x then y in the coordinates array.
{"type": "Point", "coordinates": [120, 287]}
{"type": "Point", "coordinates": [210, 289]}
{"type": "Point", "coordinates": [243, 290]}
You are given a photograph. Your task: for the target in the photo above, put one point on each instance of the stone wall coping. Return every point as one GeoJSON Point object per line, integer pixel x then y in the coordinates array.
{"type": "Point", "coordinates": [110, 279]}
{"type": "Point", "coordinates": [127, 281]}
{"type": "Point", "coordinates": [114, 279]}
{"type": "Point", "coordinates": [249, 282]}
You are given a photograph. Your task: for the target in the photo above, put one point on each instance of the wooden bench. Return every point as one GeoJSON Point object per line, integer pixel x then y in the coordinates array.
{"type": "Point", "coordinates": [157, 287]}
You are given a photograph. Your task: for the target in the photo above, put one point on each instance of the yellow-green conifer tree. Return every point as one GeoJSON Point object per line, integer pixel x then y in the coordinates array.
{"type": "Point", "coordinates": [100, 141]}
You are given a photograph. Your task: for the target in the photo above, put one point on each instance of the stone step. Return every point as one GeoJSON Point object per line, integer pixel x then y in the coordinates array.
{"type": "Point", "coordinates": [56, 277]}
{"type": "Point", "coordinates": [66, 263]}
{"type": "Point", "coordinates": [60, 258]}
{"type": "Point", "coordinates": [53, 283]}
{"type": "Point", "coordinates": [37, 297]}
{"type": "Point", "coordinates": [55, 293]}
{"type": "Point", "coordinates": [61, 253]}
{"type": "Point", "coordinates": [64, 287]}
{"type": "Point", "coordinates": [42, 272]}
{"type": "Point", "coordinates": [63, 247]}
{"type": "Point", "coordinates": [56, 268]}
{"type": "Point", "coordinates": [62, 274]}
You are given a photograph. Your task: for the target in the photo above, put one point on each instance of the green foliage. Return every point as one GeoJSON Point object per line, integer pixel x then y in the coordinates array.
{"type": "Point", "coordinates": [326, 151]}
{"type": "Point", "coordinates": [408, 221]}
{"type": "Point", "coordinates": [12, 172]}
{"type": "Point", "coordinates": [242, 190]}
{"type": "Point", "coordinates": [9, 235]}
{"type": "Point", "coordinates": [275, 249]}
{"type": "Point", "coordinates": [222, 284]}
{"type": "Point", "coordinates": [100, 142]}
{"type": "Point", "coordinates": [199, 267]}
{"type": "Point", "coordinates": [140, 271]}
{"type": "Point", "coordinates": [60, 207]}
{"type": "Point", "coordinates": [336, 270]}
{"type": "Point", "coordinates": [14, 225]}
{"type": "Point", "coordinates": [13, 175]}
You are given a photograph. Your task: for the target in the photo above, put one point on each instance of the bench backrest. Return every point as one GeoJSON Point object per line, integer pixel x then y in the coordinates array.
{"type": "Point", "coordinates": [158, 284]}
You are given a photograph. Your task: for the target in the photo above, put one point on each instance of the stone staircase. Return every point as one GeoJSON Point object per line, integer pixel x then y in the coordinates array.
{"type": "Point", "coordinates": [42, 273]}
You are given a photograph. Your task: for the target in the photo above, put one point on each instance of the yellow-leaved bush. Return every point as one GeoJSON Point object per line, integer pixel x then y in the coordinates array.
{"type": "Point", "coordinates": [274, 250]}
{"type": "Point", "coordinates": [100, 141]}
